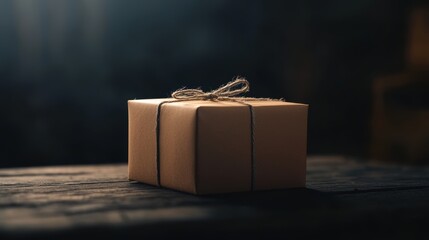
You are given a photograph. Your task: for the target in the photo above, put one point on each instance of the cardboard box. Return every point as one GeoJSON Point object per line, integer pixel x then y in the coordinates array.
{"type": "Point", "coordinates": [207, 147]}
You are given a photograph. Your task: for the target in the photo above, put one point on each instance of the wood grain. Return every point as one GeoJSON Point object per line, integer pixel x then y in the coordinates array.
{"type": "Point", "coordinates": [342, 196]}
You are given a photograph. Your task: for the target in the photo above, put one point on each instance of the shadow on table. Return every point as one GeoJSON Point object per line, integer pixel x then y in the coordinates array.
{"type": "Point", "coordinates": [296, 199]}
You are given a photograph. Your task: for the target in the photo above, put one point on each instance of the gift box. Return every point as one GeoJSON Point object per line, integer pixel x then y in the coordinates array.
{"type": "Point", "coordinates": [217, 143]}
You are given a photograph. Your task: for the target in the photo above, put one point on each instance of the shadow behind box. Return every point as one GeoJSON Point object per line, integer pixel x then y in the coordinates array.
{"type": "Point", "coordinates": [400, 121]}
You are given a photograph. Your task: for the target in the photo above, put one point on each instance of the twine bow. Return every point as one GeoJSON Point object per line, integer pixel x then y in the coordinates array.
{"type": "Point", "coordinates": [225, 92]}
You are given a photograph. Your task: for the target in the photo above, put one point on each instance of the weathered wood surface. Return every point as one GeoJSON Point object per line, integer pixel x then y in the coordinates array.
{"type": "Point", "coordinates": [343, 199]}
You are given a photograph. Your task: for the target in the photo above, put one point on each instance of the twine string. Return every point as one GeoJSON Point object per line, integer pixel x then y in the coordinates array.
{"type": "Point", "coordinates": [224, 93]}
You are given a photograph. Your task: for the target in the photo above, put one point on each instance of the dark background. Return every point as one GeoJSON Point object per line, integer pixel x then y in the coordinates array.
{"type": "Point", "coordinates": [67, 68]}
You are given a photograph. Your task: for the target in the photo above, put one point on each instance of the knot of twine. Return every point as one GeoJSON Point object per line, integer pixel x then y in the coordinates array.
{"type": "Point", "coordinates": [223, 93]}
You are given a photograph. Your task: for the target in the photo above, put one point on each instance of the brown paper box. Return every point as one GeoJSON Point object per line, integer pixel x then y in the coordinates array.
{"type": "Point", "coordinates": [205, 146]}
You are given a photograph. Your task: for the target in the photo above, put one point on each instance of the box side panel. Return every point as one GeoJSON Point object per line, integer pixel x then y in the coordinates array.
{"type": "Point", "coordinates": [142, 142]}
{"type": "Point", "coordinates": [177, 147]}
{"type": "Point", "coordinates": [280, 146]}
{"type": "Point", "coordinates": [223, 150]}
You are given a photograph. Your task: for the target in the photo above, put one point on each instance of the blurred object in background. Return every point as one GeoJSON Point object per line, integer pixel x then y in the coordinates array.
{"type": "Point", "coordinates": [418, 47]}
{"type": "Point", "coordinates": [401, 102]}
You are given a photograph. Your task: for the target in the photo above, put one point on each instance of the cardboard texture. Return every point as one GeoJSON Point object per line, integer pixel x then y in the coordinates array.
{"type": "Point", "coordinates": [205, 146]}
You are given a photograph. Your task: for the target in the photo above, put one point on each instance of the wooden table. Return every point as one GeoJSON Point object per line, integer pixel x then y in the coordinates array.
{"type": "Point", "coordinates": [343, 199]}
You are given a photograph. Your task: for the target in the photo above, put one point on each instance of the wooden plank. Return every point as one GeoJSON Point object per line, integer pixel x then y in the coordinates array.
{"type": "Point", "coordinates": [98, 199]}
